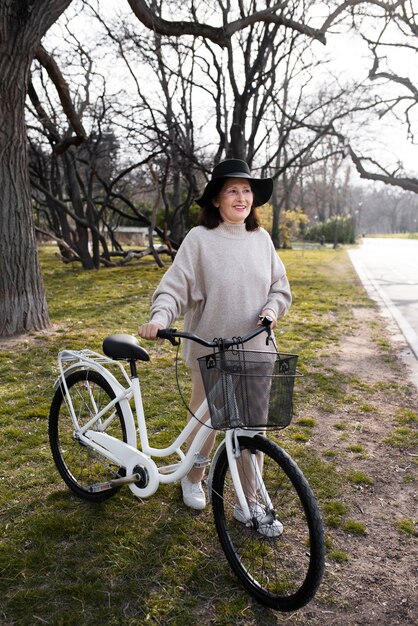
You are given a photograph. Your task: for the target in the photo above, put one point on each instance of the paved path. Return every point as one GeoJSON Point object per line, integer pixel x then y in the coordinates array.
{"type": "Point", "coordinates": [388, 269]}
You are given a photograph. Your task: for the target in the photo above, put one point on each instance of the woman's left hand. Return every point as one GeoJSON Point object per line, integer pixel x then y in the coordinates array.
{"type": "Point", "coordinates": [269, 313]}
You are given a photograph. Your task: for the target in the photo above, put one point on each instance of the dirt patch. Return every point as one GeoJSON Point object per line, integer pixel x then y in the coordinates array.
{"type": "Point", "coordinates": [7, 343]}
{"type": "Point", "coordinates": [379, 584]}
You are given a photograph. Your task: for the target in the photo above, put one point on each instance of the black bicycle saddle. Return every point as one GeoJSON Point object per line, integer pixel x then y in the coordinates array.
{"type": "Point", "coordinates": [124, 347]}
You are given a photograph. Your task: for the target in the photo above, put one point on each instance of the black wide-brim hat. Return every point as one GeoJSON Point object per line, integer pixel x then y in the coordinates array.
{"type": "Point", "coordinates": [235, 168]}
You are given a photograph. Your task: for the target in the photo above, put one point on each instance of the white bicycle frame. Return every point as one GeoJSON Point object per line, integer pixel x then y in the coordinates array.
{"type": "Point", "coordinates": [126, 454]}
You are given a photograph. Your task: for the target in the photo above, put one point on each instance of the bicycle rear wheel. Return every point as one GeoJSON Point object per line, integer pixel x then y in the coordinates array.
{"type": "Point", "coordinates": [282, 572]}
{"type": "Point", "coordinates": [86, 472]}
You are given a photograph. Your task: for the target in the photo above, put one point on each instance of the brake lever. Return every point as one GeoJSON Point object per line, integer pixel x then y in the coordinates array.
{"type": "Point", "coordinates": [266, 322]}
{"type": "Point", "coordinates": [167, 333]}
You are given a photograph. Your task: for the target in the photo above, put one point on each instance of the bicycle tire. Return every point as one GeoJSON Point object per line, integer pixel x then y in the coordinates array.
{"type": "Point", "coordinates": [82, 468]}
{"type": "Point", "coordinates": [281, 572]}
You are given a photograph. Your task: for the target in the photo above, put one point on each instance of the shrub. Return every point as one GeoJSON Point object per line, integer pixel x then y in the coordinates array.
{"type": "Point", "coordinates": [337, 229]}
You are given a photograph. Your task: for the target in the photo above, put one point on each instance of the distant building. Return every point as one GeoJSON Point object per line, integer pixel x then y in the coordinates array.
{"type": "Point", "coordinates": [132, 235]}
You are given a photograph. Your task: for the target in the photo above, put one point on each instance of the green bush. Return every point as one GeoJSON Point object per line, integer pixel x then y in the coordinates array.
{"type": "Point", "coordinates": [337, 229]}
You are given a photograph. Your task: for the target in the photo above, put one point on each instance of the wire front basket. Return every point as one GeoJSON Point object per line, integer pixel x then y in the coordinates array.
{"type": "Point", "coordinates": [248, 388]}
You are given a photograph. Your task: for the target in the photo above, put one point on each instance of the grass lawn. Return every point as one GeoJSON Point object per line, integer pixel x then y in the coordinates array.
{"type": "Point", "coordinates": [64, 561]}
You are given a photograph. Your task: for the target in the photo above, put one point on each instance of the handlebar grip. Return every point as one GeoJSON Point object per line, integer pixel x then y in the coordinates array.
{"type": "Point", "coordinates": [168, 333]}
{"type": "Point", "coordinates": [265, 320]}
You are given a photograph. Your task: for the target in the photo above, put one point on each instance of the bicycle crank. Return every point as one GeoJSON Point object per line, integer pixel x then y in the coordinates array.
{"type": "Point", "coordinates": [139, 478]}
{"type": "Point", "coordinates": [141, 471]}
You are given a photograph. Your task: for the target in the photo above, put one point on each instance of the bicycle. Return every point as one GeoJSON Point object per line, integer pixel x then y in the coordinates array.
{"type": "Point", "coordinates": [265, 513]}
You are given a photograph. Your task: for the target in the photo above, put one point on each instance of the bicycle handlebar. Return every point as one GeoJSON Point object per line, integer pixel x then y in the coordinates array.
{"type": "Point", "coordinates": [172, 334]}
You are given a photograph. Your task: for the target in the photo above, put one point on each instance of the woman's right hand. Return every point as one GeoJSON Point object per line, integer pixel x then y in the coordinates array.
{"type": "Point", "coordinates": [149, 330]}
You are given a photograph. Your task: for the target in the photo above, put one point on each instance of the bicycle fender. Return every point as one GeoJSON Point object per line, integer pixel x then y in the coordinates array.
{"type": "Point", "coordinates": [218, 452]}
{"type": "Point", "coordinates": [117, 389]}
{"type": "Point", "coordinates": [213, 463]}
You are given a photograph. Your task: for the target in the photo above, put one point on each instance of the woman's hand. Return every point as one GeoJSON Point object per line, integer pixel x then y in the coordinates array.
{"type": "Point", "coordinates": [149, 330]}
{"type": "Point", "coordinates": [272, 315]}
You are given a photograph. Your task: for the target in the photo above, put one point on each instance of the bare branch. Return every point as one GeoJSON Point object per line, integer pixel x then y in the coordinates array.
{"type": "Point", "coordinates": [374, 74]}
{"type": "Point", "coordinates": [59, 241]}
{"type": "Point", "coordinates": [43, 116]}
{"type": "Point", "coordinates": [409, 184]}
{"type": "Point", "coordinates": [219, 35]}
{"type": "Point", "coordinates": [63, 90]}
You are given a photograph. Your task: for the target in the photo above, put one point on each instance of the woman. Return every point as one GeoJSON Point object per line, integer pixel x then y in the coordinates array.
{"type": "Point", "coordinates": [225, 275]}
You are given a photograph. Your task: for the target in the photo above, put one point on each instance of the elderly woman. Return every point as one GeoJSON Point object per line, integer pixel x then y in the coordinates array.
{"type": "Point", "coordinates": [225, 275]}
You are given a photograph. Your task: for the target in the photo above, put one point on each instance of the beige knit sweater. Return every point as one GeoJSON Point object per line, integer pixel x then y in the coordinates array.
{"type": "Point", "coordinates": [221, 280]}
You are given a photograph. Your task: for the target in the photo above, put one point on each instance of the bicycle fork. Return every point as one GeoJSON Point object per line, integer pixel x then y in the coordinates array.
{"type": "Point", "coordinates": [246, 473]}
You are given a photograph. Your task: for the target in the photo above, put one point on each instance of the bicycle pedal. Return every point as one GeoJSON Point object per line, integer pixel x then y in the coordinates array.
{"type": "Point", "coordinates": [98, 487]}
{"type": "Point", "coordinates": [201, 461]}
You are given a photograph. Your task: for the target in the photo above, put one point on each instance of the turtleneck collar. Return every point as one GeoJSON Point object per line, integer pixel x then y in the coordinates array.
{"type": "Point", "coordinates": [232, 231]}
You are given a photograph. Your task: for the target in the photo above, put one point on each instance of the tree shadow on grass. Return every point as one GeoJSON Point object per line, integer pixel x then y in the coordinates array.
{"type": "Point", "coordinates": [119, 562]}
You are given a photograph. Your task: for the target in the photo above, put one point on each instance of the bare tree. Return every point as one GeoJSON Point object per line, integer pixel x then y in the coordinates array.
{"type": "Point", "coordinates": [65, 191]}
{"type": "Point", "coordinates": [166, 122]}
{"type": "Point", "coordinates": [22, 26]}
{"type": "Point", "coordinates": [240, 87]}
{"type": "Point", "coordinates": [78, 189]}
{"type": "Point", "coordinates": [390, 29]}
{"type": "Point", "coordinates": [388, 210]}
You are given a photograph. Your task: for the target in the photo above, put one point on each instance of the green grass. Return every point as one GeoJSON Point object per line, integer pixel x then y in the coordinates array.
{"type": "Point", "coordinates": [334, 511]}
{"type": "Point", "coordinates": [406, 416]}
{"type": "Point", "coordinates": [397, 236]}
{"type": "Point", "coordinates": [307, 422]}
{"type": "Point", "coordinates": [340, 556]}
{"type": "Point", "coordinates": [358, 477]}
{"type": "Point", "coordinates": [407, 526]}
{"type": "Point", "coordinates": [403, 437]}
{"type": "Point", "coordinates": [64, 561]}
{"type": "Point", "coordinates": [354, 527]}
{"type": "Point", "coordinates": [367, 408]}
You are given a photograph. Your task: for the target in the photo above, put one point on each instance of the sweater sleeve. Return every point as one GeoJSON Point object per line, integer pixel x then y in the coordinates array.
{"type": "Point", "coordinates": [178, 287]}
{"type": "Point", "coordinates": [279, 297]}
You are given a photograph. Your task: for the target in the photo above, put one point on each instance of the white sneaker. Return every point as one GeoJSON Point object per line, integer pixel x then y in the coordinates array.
{"type": "Point", "coordinates": [193, 494]}
{"type": "Point", "coordinates": [265, 525]}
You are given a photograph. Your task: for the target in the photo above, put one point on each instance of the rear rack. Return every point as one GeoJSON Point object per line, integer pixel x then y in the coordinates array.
{"type": "Point", "coordinates": [84, 358]}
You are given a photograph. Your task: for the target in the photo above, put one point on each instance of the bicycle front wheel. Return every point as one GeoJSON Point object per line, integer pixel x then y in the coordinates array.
{"type": "Point", "coordinates": [280, 565]}
{"type": "Point", "coordinates": [86, 472]}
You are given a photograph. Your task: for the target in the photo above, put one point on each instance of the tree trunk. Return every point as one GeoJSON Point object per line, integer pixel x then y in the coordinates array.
{"type": "Point", "coordinates": [275, 228]}
{"type": "Point", "coordinates": [237, 145]}
{"type": "Point", "coordinates": [23, 305]}
{"type": "Point", "coordinates": [178, 224]}
{"type": "Point", "coordinates": [22, 297]}
{"type": "Point", "coordinates": [82, 226]}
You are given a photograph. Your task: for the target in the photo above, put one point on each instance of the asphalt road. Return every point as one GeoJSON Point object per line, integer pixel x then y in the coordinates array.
{"type": "Point", "coordinates": [388, 269]}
